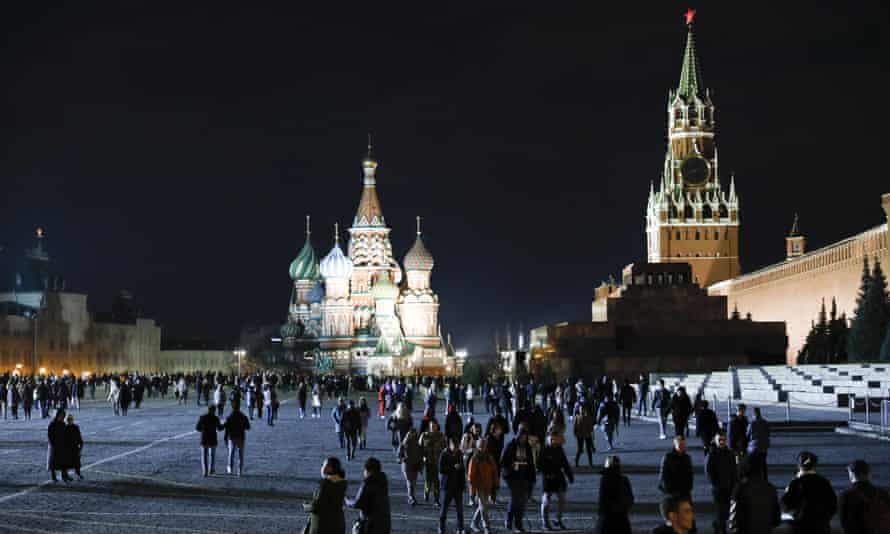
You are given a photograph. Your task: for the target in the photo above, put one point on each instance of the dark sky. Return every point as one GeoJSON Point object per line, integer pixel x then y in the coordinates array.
{"type": "Point", "coordinates": [174, 151]}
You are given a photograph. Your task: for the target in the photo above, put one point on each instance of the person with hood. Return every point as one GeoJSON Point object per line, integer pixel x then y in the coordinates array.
{"type": "Point", "coordinates": [681, 410]}
{"type": "Point", "coordinates": [861, 505]}
{"type": "Point", "coordinates": [583, 429]}
{"type": "Point", "coordinates": [754, 507]}
{"type": "Point", "coordinates": [722, 474]}
{"type": "Point", "coordinates": [208, 425]}
{"type": "Point", "coordinates": [482, 472]}
{"type": "Point", "coordinates": [56, 447]}
{"type": "Point", "coordinates": [326, 508]}
{"type": "Point", "coordinates": [372, 500]}
{"type": "Point", "coordinates": [555, 469]}
{"type": "Point", "coordinates": [518, 469]}
{"type": "Point", "coordinates": [352, 425]}
{"type": "Point", "coordinates": [453, 475]}
{"type": "Point", "coordinates": [809, 498]}
{"type": "Point", "coordinates": [236, 427]}
{"type": "Point", "coordinates": [411, 457]}
{"type": "Point", "coordinates": [432, 442]}
{"type": "Point", "coordinates": [615, 499]}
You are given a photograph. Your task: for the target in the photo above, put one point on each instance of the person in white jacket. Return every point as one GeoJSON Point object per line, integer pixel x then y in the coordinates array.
{"type": "Point", "coordinates": [219, 399]}
{"type": "Point", "coordinates": [469, 395]}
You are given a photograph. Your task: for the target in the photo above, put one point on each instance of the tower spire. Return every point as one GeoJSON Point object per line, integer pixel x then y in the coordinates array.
{"type": "Point", "coordinates": [418, 226]}
{"type": "Point", "coordinates": [690, 75]}
{"type": "Point", "coordinates": [308, 231]}
{"type": "Point", "coordinates": [336, 234]}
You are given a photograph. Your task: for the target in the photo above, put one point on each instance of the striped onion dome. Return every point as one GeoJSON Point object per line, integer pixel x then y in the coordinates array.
{"type": "Point", "coordinates": [336, 264]}
{"type": "Point", "coordinates": [418, 257]}
{"type": "Point", "coordinates": [305, 265]}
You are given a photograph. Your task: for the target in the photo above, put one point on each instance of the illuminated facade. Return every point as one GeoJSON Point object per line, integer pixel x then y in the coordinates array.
{"type": "Point", "coordinates": [360, 311]}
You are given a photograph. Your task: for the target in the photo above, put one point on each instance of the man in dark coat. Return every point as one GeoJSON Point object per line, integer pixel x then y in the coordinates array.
{"type": "Point", "coordinates": [73, 446]}
{"type": "Point", "coordinates": [56, 451]}
{"type": "Point", "coordinates": [642, 407]}
{"type": "Point", "coordinates": [859, 504]}
{"type": "Point", "coordinates": [236, 427]}
{"type": "Point", "coordinates": [208, 425]}
{"type": "Point", "coordinates": [627, 396]}
{"type": "Point", "coordinates": [681, 409]}
{"type": "Point", "coordinates": [737, 431]}
{"type": "Point", "coordinates": [372, 500]}
{"type": "Point", "coordinates": [454, 426]}
{"type": "Point", "coordinates": [453, 482]}
{"type": "Point", "coordinates": [721, 470]}
{"type": "Point", "coordinates": [809, 498]}
{"type": "Point", "coordinates": [608, 418]}
{"type": "Point", "coordinates": [661, 405]}
{"type": "Point", "coordinates": [754, 507]}
{"type": "Point", "coordinates": [706, 426]}
{"type": "Point", "coordinates": [518, 469]}
{"type": "Point", "coordinates": [675, 474]}
{"type": "Point", "coordinates": [351, 425]}
{"type": "Point", "coordinates": [758, 440]}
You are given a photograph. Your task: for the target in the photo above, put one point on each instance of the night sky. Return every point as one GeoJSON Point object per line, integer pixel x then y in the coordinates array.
{"type": "Point", "coordinates": [174, 151]}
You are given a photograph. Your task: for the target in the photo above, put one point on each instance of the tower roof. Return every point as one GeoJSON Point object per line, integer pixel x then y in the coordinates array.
{"type": "Point", "coordinates": [336, 264]}
{"type": "Point", "coordinates": [369, 211]}
{"type": "Point", "coordinates": [795, 228]}
{"type": "Point", "coordinates": [690, 76]}
{"type": "Point", "coordinates": [418, 257]}
{"type": "Point", "coordinates": [305, 265]}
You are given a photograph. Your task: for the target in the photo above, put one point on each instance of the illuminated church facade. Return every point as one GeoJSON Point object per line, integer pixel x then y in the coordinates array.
{"type": "Point", "coordinates": [360, 311]}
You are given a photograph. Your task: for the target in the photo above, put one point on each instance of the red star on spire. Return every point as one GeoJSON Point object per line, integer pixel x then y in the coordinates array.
{"type": "Point", "coordinates": [690, 16]}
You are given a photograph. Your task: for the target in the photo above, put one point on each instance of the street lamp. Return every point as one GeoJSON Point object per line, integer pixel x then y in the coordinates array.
{"type": "Point", "coordinates": [239, 352]}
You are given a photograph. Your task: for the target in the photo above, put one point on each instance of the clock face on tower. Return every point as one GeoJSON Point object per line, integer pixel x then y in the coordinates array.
{"type": "Point", "coordinates": [695, 170]}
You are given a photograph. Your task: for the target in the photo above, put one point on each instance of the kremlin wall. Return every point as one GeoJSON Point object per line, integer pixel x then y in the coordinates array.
{"type": "Point", "coordinates": [793, 291]}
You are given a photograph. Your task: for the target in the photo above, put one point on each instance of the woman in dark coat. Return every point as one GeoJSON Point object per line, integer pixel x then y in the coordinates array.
{"type": "Point", "coordinates": [126, 396]}
{"type": "Point", "coordinates": [55, 457]}
{"type": "Point", "coordinates": [372, 500]}
{"type": "Point", "coordinates": [615, 499]}
{"type": "Point", "coordinates": [73, 445]}
{"type": "Point", "coordinates": [326, 509]}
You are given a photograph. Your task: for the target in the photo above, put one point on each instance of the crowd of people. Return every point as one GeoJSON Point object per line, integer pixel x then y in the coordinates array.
{"type": "Point", "coordinates": [465, 463]}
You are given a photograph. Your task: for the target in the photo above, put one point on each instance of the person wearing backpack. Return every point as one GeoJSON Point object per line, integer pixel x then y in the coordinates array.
{"type": "Point", "coordinates": [864, 508]}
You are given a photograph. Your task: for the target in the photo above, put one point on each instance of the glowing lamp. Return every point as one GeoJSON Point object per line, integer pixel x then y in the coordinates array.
{"type": "Point", "coordinates": [43, 370]}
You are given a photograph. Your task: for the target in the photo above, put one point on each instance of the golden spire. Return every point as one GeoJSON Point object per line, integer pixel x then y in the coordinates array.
{"type": "Point", "coordinates": [308, 231]}
{"type": "Point", "coordinates": [418, 226]}
{"type": "Point", "coordinates": [336, 234]}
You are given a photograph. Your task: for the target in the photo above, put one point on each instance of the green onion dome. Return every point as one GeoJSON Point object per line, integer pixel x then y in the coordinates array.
{"type": "Point", "coordinates": [305, 266]}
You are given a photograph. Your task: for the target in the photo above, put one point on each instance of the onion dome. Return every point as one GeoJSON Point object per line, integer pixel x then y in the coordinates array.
{"type": "Point", "coordinates": [316, 294]}
{"type": "Point", "coordinates": [291, 330]}
{"type": "Point", "coordinates": [418, 257]}
{"type": "Point", "coordinates": [384, 289]}
{"type": "Point", "coordinates": [336, 264]}
{"type": "Point", "coordinates": [305, 266]}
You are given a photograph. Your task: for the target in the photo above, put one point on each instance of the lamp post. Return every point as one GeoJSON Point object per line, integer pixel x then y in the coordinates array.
{"type": "Point", "coordinates": [239, 352]}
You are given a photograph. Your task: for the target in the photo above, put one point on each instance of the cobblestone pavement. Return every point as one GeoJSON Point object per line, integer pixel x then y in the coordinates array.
{"type": "Point", "coordinates": [143, 474]}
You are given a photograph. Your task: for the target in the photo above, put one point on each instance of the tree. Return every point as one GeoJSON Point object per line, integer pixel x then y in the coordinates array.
{"type": "Point", "coordinates": [826, 342]}
{"type": "Point", "coordinates": [475, 372]}
{"type": "Point", "coordinates": [885, 348]}
{"type": "Point", "coordinates": [871, 317]}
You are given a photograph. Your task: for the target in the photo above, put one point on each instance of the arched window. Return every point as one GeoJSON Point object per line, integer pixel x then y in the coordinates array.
{"type": "Point", "coordinates": [688, 212]}
{"type": "Point", "coordinates": [672, 212]}
{"type": "Point", "coordinates": [707, 212]}
{"type": "Point", "coordinates": [724, 213]}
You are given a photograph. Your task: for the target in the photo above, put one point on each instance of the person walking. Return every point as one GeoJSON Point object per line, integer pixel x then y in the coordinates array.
{"type": "Point", "coordinates": [364, 414]}
{"type": "Point", "coordinates": [722, 474]}
{"type": "Point", "coordinates": [454, 426]}
{"type": "Point", "coordinates": [337, 413]}
{"type": "Point", "coordinates": [678, 515]}
{"type": "Point", "coordinates": [675, 472]}
{"type": "Point", "coordinates": [351, 424]}
{"type": "Point", "coordinates": [661, 405]}
{"type": "Point", "coordinates": [809, 498]}
{"type": "Point", "coordinates": [469, 393]}
{"type": "Point", "coordinates": [555, 470]}
{"type": "Point", "coordinates": [316, 401]}
{"type": "Point", "coordinates": [737, 432]}
{"type": "Point", "coordinates": [757, 436]}
{"type": "Point", "coordinates": [863, 507]}
{"type": "Point", "coordinates": [326, 508]}
{"type": "Point", "coordinates": [616, 497]}
{"type": "Point", "coordinates": [583, 429]}
{"type": "Point", "coordinates": [681, 410]}
{"type": "Point", "coordinates": [372, 500]}
{"type": "Point", "coordinates": [236, 427]}
{"type": "Point", "coordinates": [608, 418]}
{"type": "Point", "coordinates": [268, 405]}
{"type": "Point", "coordinates": [208, 425]}
{"type": "Point", "coordinates": [642, 397]}
{"type": "Point", "coordinates": [432, 442]}
{"type": "Point", "coordinates": [73, 445]}
{"type": "Point", "coordinates": [301, 398]}
{"type": "Point", "coordinates": [627, 398]}
{"type": "Point", "coordinates": [125, 397]}
{"type": "Point", "coordinates": [754, 506]}
{"type": "Point", "coordinates": [411, 457]}
{"type": "Point", "coordinates": [707, 426]}
{"type": "Point", "coordinates": [27, 398]}
{"type": "Point", "coordinates": [453, 484]}
{"type": "Point", "coordinates": [55, 450]}
{"type": "Point", "coordinates": [482, 472]}
{"type": "Point", "coordinates": [518, 470]}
